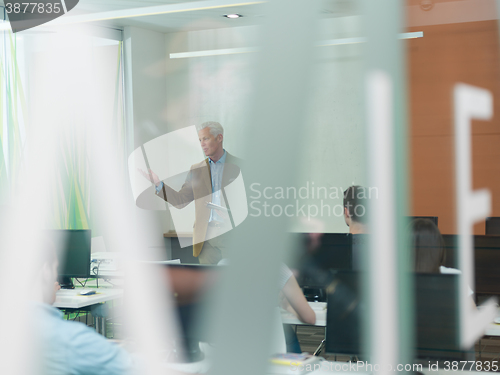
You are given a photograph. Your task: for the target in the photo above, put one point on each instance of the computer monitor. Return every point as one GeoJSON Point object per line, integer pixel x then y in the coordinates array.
{"type": "Point", "coordinates": [343, 317]}
{"type": "Point", "coordinates": [492, 226]}
{"type": "Point", "coordinates": [436, 316]}
{"type": "Point", "coordinates": [333, 252]}
{"type": "Point", "coordinates": [486, 261]}
{"type": "Point", "coordinates": [73, 249]}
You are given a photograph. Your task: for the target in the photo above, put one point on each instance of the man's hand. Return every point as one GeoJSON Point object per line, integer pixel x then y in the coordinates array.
{"type": "Point", "coordinates": [151, 176]}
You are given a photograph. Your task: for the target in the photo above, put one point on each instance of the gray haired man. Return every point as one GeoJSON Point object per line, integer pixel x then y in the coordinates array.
{"type": "Point", "coordinates": [205, 184]}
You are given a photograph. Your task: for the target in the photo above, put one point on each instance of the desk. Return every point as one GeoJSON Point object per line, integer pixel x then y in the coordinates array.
{"type": "Point", "coordinates": [493, 329]}
{"type": "Point", "coordinates": [318, 307]}
{"type": "Point", "coordinates": [71, 299]}
{"type": "Point", "coordinates": [172, 243]}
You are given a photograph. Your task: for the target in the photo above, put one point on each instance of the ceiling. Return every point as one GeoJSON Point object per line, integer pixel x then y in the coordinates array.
{"type": "Point", "coordinates": [193, 19]}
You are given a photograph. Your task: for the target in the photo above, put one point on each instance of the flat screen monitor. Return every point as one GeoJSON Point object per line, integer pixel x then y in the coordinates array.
{"type": "Point", "coordinates": [332, 252]}
{"type": "Point", "coordinates": [436, 316]}
{"type": "Point", "coordinates": [492, 226]}
{"type": "Point", "coordinates": [73, 249]}
{"type": "Point", "coordinates": [486, 261]}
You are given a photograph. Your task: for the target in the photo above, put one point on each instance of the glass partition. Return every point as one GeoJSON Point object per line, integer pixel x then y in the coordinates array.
{"type": "Point", "coordinates": [260, 180]}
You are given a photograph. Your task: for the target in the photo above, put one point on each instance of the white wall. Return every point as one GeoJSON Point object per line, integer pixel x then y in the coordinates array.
{"type": "Point", "coordinates": [146, 102]}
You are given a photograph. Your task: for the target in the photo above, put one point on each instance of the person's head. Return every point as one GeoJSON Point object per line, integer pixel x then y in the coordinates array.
{"type": "Point", "coordinates": [355, 208]}
{"type": "Point", "coordinates": [47, 264]}
{"type": "Point", "coordinates": [211, 135]}
{"type": "Point", "coordinates": [428, 246]}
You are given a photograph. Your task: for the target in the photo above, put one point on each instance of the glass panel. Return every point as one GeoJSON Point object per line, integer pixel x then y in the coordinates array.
{"type": "Point", "coordinates": [327, 165]}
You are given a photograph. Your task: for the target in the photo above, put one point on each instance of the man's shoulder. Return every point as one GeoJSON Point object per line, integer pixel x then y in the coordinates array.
{"type": "Point", "coordinates": [231, 159]}
{"type": "Point", "coordinates": [201, 164]}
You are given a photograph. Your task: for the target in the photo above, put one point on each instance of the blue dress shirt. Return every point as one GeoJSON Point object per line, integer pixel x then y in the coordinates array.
{"type": "Point", "coordinates": [216, 170]}
{"type": "Point", "coordinates": [69, 347]}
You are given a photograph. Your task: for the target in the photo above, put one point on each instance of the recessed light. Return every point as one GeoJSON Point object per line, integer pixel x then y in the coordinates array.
{"type": "Point", "coordinates": [233, 15]}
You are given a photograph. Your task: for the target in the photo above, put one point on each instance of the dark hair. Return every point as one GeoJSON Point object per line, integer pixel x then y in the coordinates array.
{"type": "Point", "coordinates": [355, 200]}
{"type": "Point", "coordinates": [428, 246]}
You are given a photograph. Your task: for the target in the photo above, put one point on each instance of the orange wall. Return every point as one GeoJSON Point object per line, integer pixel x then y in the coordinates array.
{"type": "Point", "coordinates": [447, 54]}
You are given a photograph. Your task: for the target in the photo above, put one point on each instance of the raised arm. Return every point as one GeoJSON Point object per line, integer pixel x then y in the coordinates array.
{"type": "Point", "coordinates": [178, 199]}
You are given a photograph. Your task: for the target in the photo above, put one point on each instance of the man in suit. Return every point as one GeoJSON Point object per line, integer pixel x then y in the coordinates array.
{"type": "Point", "coordinates": [205, 183]}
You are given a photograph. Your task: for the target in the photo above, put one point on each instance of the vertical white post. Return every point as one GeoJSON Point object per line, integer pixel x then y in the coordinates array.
{"type": "Point", "coordinates": [470, 103]}
{"type": "Point", "coordinates": [384, 321]}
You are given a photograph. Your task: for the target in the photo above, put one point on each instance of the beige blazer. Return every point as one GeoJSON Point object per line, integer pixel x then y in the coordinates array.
{"type": "Point", "coordinates": [198, 188]}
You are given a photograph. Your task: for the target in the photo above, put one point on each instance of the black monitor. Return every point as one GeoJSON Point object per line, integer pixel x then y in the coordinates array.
{"type": "Point", "coordinates": [333, 252]}
{"type": "Point", "coordinates": [73, 249]}
{"type": "Point", "coordinates": [486, 261]}
{"type": "Point", "coordinates": [492, 226]}
{"type": "Point", "coordinates": [436, 316]}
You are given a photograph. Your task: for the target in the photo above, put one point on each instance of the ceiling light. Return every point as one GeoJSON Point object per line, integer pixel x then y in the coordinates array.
{"type": "Point", "coordinates": [233, 15]}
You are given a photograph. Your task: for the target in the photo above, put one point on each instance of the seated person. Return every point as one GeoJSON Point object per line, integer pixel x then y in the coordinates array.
{"type": "Point", "coordinates": [428, 248]}
{"type": "Point", "coordinates": [69, 347]}
{"type": "Point", "coordinates": [292, 299]}
{"type": "Point", "coordinates": [355, 207]}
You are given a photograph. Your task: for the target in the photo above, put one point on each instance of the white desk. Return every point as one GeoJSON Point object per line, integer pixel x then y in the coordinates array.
{"type": "Point", "coordinates": [318, 307]}
{"type": "Point", "coordinates": [71, 299]}
{"type": "Point", "coordinates": [492, 330]}
{"type": "Point", "coordinates": [320, 310]}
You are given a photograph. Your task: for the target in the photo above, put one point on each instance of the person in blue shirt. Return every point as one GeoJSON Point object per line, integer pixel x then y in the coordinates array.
{"type": "Point", "coordinates": [68, 347]}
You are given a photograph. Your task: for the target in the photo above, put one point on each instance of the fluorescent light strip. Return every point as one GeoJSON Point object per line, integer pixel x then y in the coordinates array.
{"type": "Point", "coordinates": [339, 42]}
{"type": "Point", "coordinates": [414, 35]}
{"type": "Point", "coordinates": [145, 11]}
{"type": "Point", "coordinates": [325, 43]}
{"type": "Point", "coordinates": [216, 52]}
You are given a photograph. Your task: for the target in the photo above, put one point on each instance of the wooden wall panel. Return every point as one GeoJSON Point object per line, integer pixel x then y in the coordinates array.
{"type": "Point", "coordinates": [446, 55]}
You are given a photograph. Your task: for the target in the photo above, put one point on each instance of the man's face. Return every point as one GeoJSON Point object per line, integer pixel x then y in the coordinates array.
{"type": "Point", "coordinates": [54, 282]}
{"type": "Point", "coordinates": [210, 144]}
{"type": "Point", "coordinates": [347, 218]}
